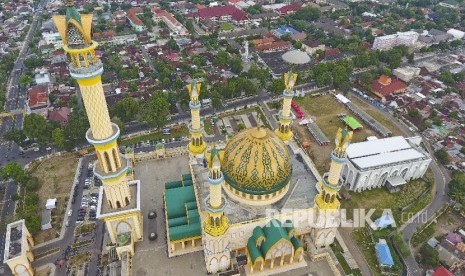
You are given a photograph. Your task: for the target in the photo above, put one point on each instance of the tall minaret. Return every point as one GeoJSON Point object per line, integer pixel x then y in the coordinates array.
{"type": "Point", "coordinates": [197, 144]}
{"type": "Point", "coordinates": [284, 131]}
{"type": "Point", "coordinates": [215, 225]}
{"type": "Point", "coordinates": [76, 32]}
{"type": "Point", "coordinates": [327, 203]}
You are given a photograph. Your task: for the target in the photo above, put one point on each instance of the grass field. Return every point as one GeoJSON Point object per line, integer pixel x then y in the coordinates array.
{"type": "Point", "coordinates": [225, 26]}
{"type": "Point", "coordinates": [324, 110]}
{"type": "Point", "coordinates": [56, 179]}
{"type": "Point", "coordinates": [381, 199]}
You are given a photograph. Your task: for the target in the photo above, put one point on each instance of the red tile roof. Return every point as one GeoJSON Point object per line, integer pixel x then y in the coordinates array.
{"type": "Point", "coordinates": [395, 86]}
{"type": "Point", "coordinates": [442, 271]}
{"type": "Point", "coordinates": [220, 11]}
{"type": "Point", "coordinates": [132, 15]}
{"type": "Point", "coordinates": [290, 8]}
{"type": "Point", "coordinates": [273, 46]}
{"type": "Point", "coordinates": [59, 115]}
{"type": "Point", "coordinates": [38, 96]}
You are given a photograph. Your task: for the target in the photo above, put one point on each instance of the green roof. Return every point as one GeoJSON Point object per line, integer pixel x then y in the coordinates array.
{"type": "Point", "coordinates": [352, 122]}
{"type": "Point", "coordinates": [181, 211]}
{"type": "Point", "coordinates": [173, 184]}
{"type": "Point", "coordinates": [185, 231]}
{"type": "Point", "coordinates": [254, 252]}
{"type": "Point", "coordinates": [187, 183]}
{"type": "Point", "coordinates": [177, 221]}
{"type": "Point", "coordinates": [72, 12]}
{"type": "Point", "coordinates": [272, 233]}
{"type": "Point", "coordinates": [187, 176]}
{"type": "Point", "coordinates": [191, 205]}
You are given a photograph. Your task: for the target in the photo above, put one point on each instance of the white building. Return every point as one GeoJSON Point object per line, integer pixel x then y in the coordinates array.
{"type": "Point", "coordinates": [42, 77]}
{"type": "Point", "coordinates": [457, 34]}
{"type": "Point", "coordinates": [53, 39]}
{"type": "Point", "coordinates": [407, 73]}
{"type": "Point", "coordinates": [390, 161]}
{"type": "Point", "coordinates": [387, 42]}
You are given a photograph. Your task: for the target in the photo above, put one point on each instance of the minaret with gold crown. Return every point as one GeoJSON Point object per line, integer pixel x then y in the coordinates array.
{"type": "Point", "coordinates": [284, 131]}
{"type": "Point", "coordinates": [119, 202]}
{"type": "Point", "coordinates": [216, 225]}
{"type": "Point", "coordinates": [197, 144]}
{"type": "Point", "coordinates": [327, 203]}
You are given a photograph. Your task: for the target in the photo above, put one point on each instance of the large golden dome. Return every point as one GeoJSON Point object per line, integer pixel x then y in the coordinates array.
{"type": "Point", "coordinates": [256, 165]}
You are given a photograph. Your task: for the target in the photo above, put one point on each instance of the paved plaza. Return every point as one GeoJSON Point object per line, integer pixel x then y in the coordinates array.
{"type": "Point", "coordinates": [151, 256]}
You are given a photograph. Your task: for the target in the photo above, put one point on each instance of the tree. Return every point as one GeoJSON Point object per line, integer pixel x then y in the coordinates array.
{"type": "Point", "coordinates": [16, 136]}
{"type": "Point", "coordinates": [58, 138]}
{"type": "Point", "coordinates": [414, 113]}
{"type": "Point", "coordinates": [172, 44]}
{"type": "Point", "coordinates": [156, 110]}
{"type": "Point", "coordinates": [340, 75]}
{"type": "Point", "coordinates": [36, 127]}
{"type": "Point", "coordinates": [222, 58]}
{"type": "Point", "coordinates": [457, 187]}
{"type": "Point", "coordinates": [236, 65]}
{"type": "Point", "coordinates": [25, 80]}
{"type": "Point", "coordinates": [126, 109]}
{"type": "Point", "coordinates": [442, 156]}
{"type": "Point", "coordinates": [120, 124]}
{"type": "Point", "coordinates": [446, 76]}
{"type": "Point", "coordinates": [366, 79]}
{"type": "Point", "coordinates": [307, 13]}
{"type": "Point", "coordinates": [277, 86]}
{"type": "Point", "coordinates": [429, 256]}
{"type": "Point", "coordinates": [14, 171]}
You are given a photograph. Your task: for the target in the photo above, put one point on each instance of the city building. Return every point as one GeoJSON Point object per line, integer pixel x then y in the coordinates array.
{"type": "Point", "coordinates": [387, 162]}
{"type": "Point", "coordinates": [457, 34]}
{"type": "Point", "coordinates": [385, 86]}
{"type": "Point", "coordinates": [173, 24]}
{"type": "Point", "coordinates": [406, 73]}
{"type": "Point", "coordinates": [222, 14]}
{"type": "Point", "coordinates": [38, 101]}
{"type": "Point", "coordinates": [134, 20]}
{"type": "Point", "coordinates": [311, 47]}
{"type": "Point", "coordinates": [53, 39]}
{"type": "Point", "coordinates": [284, 30]}
{"type": "Point", "coordinates": [119, 196]}
{"type": "Point", "coordinates": [400, 38]}
{"type": "Point", "coordinates": [251, 174]}
{"type": "Point", "coordinates": [18, 254]}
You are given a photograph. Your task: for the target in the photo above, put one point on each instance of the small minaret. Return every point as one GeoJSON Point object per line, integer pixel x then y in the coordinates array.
{"type": "Point", "coordinates": [197, 144]}
{"type": "Point", "coordinates": [216, 224]}
{"type": "Point", "coordinates": [284, 131]}
{"type": "Point", "coordinates": [331, 185]}
{"type": "Point", "coordinates": [327, 203]}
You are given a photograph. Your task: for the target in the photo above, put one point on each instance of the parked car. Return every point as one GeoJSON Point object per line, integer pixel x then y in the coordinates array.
{"type": "Point", "coordinates": [70, 212]}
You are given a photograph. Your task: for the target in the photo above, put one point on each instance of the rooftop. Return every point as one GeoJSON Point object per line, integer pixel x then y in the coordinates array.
{"type": "Point", "coordinates": [15, 240]}
{"type": "Point", "coordinates": [104, 209]}
{"type": "Point", "coordinates": [383, 152]}
{"type": "Point", "coordinates": [302, 191]}
{"type": "Point", "coordinates": [296, 57]}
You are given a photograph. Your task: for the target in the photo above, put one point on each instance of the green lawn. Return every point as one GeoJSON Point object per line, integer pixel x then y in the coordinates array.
{"type": "Point", "coordinates": [381, 198]}
{"type": "Point", "coordinates": [208, 126]}
{"type": "Point", "coordinates": [226, 26]}
{"type": "Point", "coordinates": [367, 244]}
{"type": "Point", "coordinates": [158, 135]}
{"type": "Point", "coordinates": [336, 247]}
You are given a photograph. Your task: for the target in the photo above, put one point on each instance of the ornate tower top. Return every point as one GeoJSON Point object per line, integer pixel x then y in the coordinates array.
{"type": "Point", "coordinates": [343, 138]}
{"type": "Point", "coordinates": [290, 79]}
{"type": "Point", "coordinates": [75, 29]}
{"type": "Point", "coordinates": [194, 91]}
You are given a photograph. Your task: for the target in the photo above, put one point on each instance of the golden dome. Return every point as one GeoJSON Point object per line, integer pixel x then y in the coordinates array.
{"type": "Point", "coordinates": [256, 162]}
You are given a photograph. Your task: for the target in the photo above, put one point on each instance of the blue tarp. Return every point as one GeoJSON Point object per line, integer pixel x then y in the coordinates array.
{"type": "Point", "coordinates": [384, 254]}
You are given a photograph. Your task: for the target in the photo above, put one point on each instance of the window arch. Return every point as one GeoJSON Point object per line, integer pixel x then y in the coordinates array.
{"type": "Point", "coordinates": [107, 160]}
{"type": "Point", "coordinates": [118, 204]}
{"type": "Point", "coordinates": [115, 158]}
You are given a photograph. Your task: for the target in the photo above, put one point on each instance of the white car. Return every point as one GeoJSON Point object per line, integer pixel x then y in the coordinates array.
{"type": "Point", "coordinates": [70, 212]}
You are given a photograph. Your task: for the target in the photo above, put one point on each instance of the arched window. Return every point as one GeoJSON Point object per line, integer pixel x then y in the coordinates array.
{"type": "Point", "coordinates": [217, 221]}
{"type": "Point", "coordinates": [109, 203]}
{"type": "Point", "coordinates": [107, 160]}
{"type": "Point", "coordinates": [115, 158]}
{"type": "Point", "coordinates": [127, 200]}
{"type": "Point", "coordinates": [118, 204]}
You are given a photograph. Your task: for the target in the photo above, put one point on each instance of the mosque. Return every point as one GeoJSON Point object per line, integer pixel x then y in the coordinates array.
{"type": "Point", "coordinates": [249, 198]}
{"type": "Point", "coordinates": [250, 201]}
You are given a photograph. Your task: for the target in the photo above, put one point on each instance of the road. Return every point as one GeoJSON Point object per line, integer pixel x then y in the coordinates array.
{"type": "Point", "coordinates": [16, 97]}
